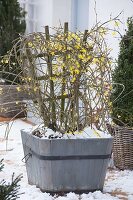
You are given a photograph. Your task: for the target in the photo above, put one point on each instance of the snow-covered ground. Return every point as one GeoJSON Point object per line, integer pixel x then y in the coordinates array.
{"type": "Point", "coordinates": [118, 184]}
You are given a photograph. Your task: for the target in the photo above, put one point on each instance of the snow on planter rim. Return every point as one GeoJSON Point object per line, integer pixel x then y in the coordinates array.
{"type": "Point", "coordinates": [88, 132]}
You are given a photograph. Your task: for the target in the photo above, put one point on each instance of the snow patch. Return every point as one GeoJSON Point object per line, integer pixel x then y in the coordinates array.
{"type": "Point", "coordinates": [120, 180]}
{"type": "Point", "coordinates": [88, 132]}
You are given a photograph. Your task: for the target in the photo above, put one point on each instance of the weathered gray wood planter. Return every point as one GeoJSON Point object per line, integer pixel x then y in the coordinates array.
{"type": "Point", "coordinates": [64, 165]}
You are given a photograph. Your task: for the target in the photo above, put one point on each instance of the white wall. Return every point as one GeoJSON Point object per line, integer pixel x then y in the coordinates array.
{"type": "Point", "coordinates": [82, 14]}
{"type": "Point", "coordinates": [61, 12]}
{"type": "Point", "coordinates": [55, 12]}
{"type": "Point", "coordinates": [79, 14]}
{"type": "Point", "coordinates": [75, 12]}
{"type": "Point", "coordinates": [107, 8]}
{"type": "Point", "coordinates": [44, 14]}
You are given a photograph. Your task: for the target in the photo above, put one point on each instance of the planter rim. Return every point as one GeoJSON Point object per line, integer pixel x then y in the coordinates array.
{"type": "Point", "coordinates": [62, 139]}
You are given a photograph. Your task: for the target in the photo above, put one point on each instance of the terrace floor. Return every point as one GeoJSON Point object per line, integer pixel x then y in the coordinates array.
{"type": "Point", "coordinates": [118, 184]}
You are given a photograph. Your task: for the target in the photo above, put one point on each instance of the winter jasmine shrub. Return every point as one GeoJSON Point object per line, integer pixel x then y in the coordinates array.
{"type": "Point", "coordinates": [68, 76]}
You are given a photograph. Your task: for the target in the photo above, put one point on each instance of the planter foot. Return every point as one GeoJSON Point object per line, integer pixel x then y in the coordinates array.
{"type": "Point", "coordinates": [60, 193]}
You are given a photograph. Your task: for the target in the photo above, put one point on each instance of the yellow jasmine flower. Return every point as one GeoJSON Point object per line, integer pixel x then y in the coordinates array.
{"type": "Point", "coordinates": [95, 60]}
{"type": "Point", "coordinates": [52, 53]}
{"type": "Point", "coordinates": [35, 89]}
{"type": "Point", "coordinates": [106, 93]}
{"type": "Point", "coordinates": [29, 79]}
{"type": "Point", "coordinates": [80, 56]}
{"type": "Point", "coordinates": [71, 68]}
{"type": "Point", "coordinates": [6, 61]}
{"type": "Point", "coordinates": [83, 50]}
{"type": "Point", "coordinates": [73, 79]}
{"type": "Point", "coordinates": [69, 38]}
{"type": "Point", "coordinates": [73, 35]}
{"type": "Point", "coordinates": [30, 44]}
{"type": "Point", "coordinates": [110, 87]}
{"type": "Point", "coordinates": [114, 33]}
{"type": "Point", "coordinates": [53, 78]}
{"type": "Point", "coordinates": [77, 46]}
{"type": "Point", "coordinates": [1, 90]}
{"type": "Point", "coordinates": [117, 23]}
{"type": "Point", "coordinates": [77, 71]}
{"type": "Point", "coordinates": [18, 89]}
{"type": "Point", "coordinates": [110, 104]}
{"type": "Point", "coordinates": [68, 56]}
{"type": "Point", "coordinates": [89, 57]}
{"type": "Point", "coordinates": [64, 93]}
{"type": "Point", "coordinates": [96, 133]}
